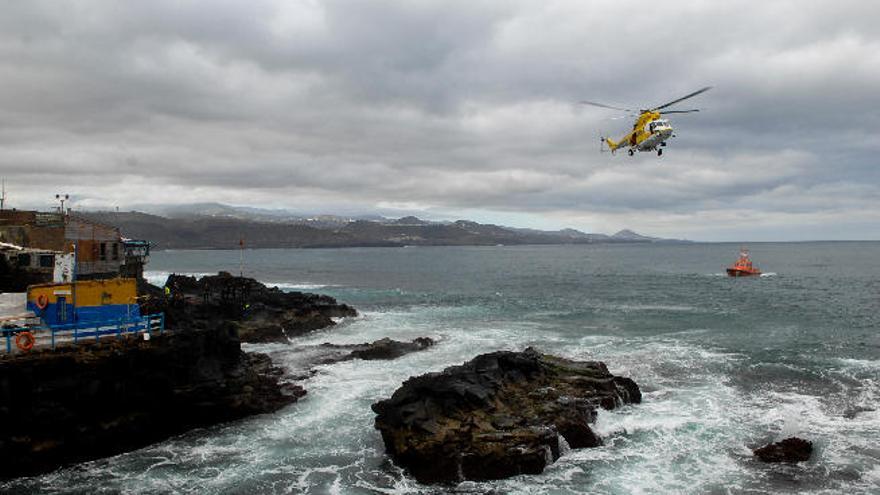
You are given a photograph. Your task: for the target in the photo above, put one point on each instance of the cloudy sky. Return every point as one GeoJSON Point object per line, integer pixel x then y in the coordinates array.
{"type": "Point", "coordinates": [452, 109]}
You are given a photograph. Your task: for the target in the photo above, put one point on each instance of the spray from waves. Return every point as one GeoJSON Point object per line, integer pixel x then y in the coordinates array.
{"type": "Point", "coordinates": [298, 285]}
{"type": "Point", "coordinates": [763, 275]}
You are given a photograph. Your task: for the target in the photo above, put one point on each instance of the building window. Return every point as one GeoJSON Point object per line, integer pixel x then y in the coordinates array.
{"type": "Point", "coordinates": [47, 260]}
{"type": "Point", "coordinates": [103, 251]}
{"type": "Point", "coordinates": [24, 260]}
{"type": "Point", "coordinates": [115, 251]}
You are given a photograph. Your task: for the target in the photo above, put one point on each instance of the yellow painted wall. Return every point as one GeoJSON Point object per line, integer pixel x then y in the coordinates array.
{"type": "Point", "coordinates": [88, 292]}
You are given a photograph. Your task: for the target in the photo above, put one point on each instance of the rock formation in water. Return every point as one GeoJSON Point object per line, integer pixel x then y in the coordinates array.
{"type": "Point", "coordinates": [380, 349]}
{"type": "Point", "coordinates": [94, 400]}
{"type": "Point", "coordinates": [791, 449]}
{"type": "Point", "coordinates": [261, 313]}
{"type": "Point", "coordinates": [498, 415]}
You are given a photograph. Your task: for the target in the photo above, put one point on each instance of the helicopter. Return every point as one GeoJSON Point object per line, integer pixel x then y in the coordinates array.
{"type": "Point", "coordinates": [650, 131]}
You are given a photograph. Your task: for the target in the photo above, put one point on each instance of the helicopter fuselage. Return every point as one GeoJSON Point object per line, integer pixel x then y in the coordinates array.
{"type": "Point", "coordinates": [649, 133]}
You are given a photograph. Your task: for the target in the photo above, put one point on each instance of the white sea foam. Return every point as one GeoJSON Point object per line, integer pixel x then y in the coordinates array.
{"type": "Point", "coordinates": [298, 285]}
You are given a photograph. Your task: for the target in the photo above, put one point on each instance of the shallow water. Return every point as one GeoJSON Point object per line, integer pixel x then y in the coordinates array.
{"type": "Point", "coordinates": [725, 364]}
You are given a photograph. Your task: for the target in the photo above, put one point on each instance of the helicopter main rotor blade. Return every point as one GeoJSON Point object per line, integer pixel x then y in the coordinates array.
{"type": "Point", "coordinates": [673, 102]}
{"type": "Point", "coordinates": [601, 105]}
{"type": "Point", "coordinates": [678, 111]}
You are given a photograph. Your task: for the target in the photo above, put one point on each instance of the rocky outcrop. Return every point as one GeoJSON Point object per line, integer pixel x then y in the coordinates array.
{"type": "Point", "coordinates": [94, 400]}
{"type": "Point", "coordinates": [260, 313]}
{"type": "Point", "coordinates": [380, 349]}
{"type": "Point", "coordinates": [498, 415]}
{"type": "Point", "coordinates": [792, 449]}
{"type": "Point", "coordinates": [302, 361]}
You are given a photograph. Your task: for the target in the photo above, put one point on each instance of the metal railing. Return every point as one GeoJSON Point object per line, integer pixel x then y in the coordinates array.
{"type": "Point", "coordinates": [89, 330]}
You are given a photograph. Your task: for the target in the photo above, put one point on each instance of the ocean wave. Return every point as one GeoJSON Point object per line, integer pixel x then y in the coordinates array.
{"type": "Point", "coordinates": [298, 285]}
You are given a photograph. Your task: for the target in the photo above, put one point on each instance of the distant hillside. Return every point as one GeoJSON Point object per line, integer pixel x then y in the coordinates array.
{"type": "Point", "coordinates": [224, 231]}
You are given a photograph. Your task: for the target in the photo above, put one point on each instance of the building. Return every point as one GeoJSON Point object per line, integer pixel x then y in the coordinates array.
{"type": "Point", "coordinates": [21, 266]}
{"type": "Point", "coordinates": [98, 247]}
{"type": "Point", "coordinates": [136, 253]}
{"type": "Point", "coordinates": [100, 250]}
{"type": "Point", "coordinates": [87, 302]}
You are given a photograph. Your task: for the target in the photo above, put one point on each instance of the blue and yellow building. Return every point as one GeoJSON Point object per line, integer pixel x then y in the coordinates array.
{"type": "Point", "coordinates": [84, 302]}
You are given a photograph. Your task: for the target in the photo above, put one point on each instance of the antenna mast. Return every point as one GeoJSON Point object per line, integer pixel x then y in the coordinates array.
{"type": "Point", "coordinates": [241, 256]}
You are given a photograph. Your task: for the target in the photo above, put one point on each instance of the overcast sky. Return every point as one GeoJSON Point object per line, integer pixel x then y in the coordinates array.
{"type": "Point", "coordinates": [452, 109]}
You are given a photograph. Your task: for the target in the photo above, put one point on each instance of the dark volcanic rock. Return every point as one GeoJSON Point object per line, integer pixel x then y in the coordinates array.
{"type": "Point", "coordinates": [261, 313]}
{"type": "Point", "coordinates": [380, 349]}
{"type": "Point", "coordinates": [98, 399]}
{"type": "Point", "coordinates": [791, 449]}
{"type": "Point", "coordinates": [498, 415]}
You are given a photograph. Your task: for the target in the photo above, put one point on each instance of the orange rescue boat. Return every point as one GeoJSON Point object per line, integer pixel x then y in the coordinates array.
{"type": "Point", "coordinates": [743, 266]}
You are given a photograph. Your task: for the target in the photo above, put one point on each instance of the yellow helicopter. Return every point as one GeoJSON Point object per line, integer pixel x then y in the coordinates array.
{"type": "Point", "coordinates": [650, 131]}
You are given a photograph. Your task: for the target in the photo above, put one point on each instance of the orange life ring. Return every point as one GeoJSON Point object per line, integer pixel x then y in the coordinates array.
{"type": "Point", "coordinates": [42, 301]}
{"type": "Point", "coordinates": [25, 341]}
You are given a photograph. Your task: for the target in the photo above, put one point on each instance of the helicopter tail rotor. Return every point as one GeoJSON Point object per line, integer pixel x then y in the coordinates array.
{"type": "Point", "coordinates": [612, 145]}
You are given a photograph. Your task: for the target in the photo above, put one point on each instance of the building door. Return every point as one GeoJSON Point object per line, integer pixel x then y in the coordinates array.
{"type": "Point", "coordinates": [62, 310]}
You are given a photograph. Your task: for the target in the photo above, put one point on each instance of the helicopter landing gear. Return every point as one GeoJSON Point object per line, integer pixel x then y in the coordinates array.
{"type": "Point", "coordinates": [660, 152]}
{"type": "Point", "coordinates": [631, 152]}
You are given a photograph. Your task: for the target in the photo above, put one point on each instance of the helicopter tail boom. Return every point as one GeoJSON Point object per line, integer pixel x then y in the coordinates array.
{"type": "Point", "coordinates": [612, 145]}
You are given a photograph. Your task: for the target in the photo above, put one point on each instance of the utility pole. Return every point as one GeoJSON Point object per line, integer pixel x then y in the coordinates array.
{"type": "Point", "coordinates": [62, 198]}
{"type": "Point", "coordinates": [3, 196]}
{"type": "Point", "coordinates": [241, 257]}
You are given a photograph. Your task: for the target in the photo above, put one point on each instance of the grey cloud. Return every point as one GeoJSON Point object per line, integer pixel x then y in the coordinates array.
{"type": "Point", "coordinates": [466, 106]}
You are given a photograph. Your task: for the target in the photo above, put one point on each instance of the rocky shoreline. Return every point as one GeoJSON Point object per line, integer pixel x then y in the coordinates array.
{"type": "Point", "coordinates": [98, 399]}
{"type": "Point", "coordinates": [259, 313]}
{"type": "Point", "coordinates": [499, 415]}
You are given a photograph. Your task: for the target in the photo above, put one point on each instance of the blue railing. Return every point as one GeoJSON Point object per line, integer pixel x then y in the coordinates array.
{"type": "Point", "coordinates": [76, 332]}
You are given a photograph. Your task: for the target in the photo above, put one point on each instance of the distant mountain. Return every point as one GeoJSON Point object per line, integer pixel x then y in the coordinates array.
{"type": "Point", "coordinates": [571, 234]}
{"type": "Point", "coordinates": [220, 210]}
{"type": "Point", "coordinates": [410, 220]}
{"type": "Point", "coordinates": [220, 227]}
{"type": "Point", "coordinates": [627, 235]}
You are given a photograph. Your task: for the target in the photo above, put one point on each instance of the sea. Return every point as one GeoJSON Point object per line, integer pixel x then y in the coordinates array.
{"type": "Point", "coordinates": [725, 365]}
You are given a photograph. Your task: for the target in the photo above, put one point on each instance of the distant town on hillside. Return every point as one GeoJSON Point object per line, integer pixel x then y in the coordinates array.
{"type": "Point", "coordinates": [218, 226]}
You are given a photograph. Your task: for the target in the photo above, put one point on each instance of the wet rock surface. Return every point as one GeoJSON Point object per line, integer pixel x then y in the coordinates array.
{"type": "Point", "coordinates": [498, 415]}
{"type": "Point", "coordinates": [94, 400]}
{"type": "Point", "coordinates": [261, 314]}
{"type": "Point", "coordinates": [382, 349]}
{"type": "Point", "coordinates": [301, 361]}
{"type": "Point", "coordinates": [792, 449]}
